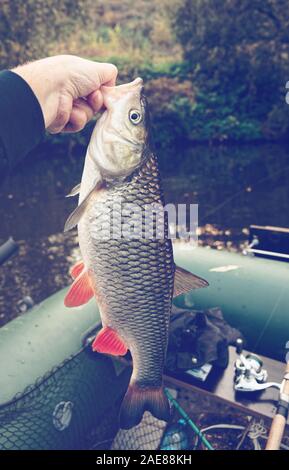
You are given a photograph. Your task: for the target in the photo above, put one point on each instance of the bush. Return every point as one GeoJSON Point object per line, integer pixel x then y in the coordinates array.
{"type": "Point", "coordinates": [27, 28]}
{"type": "Point", "coordinates": [238, 57]}
{"type": "Point", "coordinates": [228, 41]}
{"type": "Point", "coordinates": [171, 104]}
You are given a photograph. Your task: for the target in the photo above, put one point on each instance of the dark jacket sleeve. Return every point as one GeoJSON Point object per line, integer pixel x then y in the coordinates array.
{"type": "Point", "coordinates": [21, 121]}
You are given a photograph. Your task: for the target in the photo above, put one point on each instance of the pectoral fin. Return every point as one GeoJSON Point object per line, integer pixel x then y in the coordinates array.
{"type": "Point", "coordinates": [186, 281]}
{"type": "Point", "coordinates": [76, 215]}
{"type": "Point", "coordinates": [74, 191]}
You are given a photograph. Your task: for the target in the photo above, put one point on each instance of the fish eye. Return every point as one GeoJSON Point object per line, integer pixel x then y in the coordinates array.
{"type": "Point", "coordinates": [135, 116]}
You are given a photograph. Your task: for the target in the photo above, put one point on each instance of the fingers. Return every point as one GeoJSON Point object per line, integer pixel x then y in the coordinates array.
{"type": "Point", "coordinates": [63, 111]}
{"type": "Point", "coordinates": [74, 117]}
{"type": "Point", "coordinates": [81, 114]}
{"type": "Point", "coordinates": [80, 98]}
{"type": "Point", "coordinates": [95, 100]}
{"type": "Point", "coordinates": [86, 76]}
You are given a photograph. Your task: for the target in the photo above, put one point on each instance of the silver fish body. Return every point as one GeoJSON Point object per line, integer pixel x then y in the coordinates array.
{"type": "Point", "coordinates": [133, 278]}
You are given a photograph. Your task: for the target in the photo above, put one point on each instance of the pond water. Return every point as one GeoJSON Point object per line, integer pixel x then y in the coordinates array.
{"type": "Point", "coordinates": [235, 186]}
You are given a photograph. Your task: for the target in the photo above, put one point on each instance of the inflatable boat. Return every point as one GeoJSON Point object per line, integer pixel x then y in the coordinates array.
{"type": "Point", "coordinates": [56, 394]}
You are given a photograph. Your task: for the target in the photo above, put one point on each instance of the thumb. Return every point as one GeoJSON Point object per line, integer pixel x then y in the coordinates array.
{"type": "Point", "coordinates": [87, 76]}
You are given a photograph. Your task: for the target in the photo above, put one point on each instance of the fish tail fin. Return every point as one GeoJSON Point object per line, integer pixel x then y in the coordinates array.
{"type": "Point", "coordinates": [139, 399]}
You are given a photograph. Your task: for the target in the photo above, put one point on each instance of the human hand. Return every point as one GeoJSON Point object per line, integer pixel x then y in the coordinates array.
{"type": "Point", "coordinates": [68, 89]}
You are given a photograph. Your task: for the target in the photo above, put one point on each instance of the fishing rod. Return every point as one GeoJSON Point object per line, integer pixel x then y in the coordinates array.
{"type": "Point", "coordinates": [188, 420]}
{"type": "Point", "coordinates": [279, 421]}
{"type": "Point", "coordinates": [251, 376]}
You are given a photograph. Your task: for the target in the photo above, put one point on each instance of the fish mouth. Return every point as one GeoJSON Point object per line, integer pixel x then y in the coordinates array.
{"type": "Point", "coordinates": [111, 94]}
{"type": "Point", "coordinates": [137, 82]}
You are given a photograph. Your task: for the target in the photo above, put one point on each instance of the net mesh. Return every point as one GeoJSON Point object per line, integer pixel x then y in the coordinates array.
{"type": "Point", "coordinates": [146, 436]}
{"type": "Point", "coordinates": [72, 407]}
{"type": "Point", "coordinates": [76, 406]}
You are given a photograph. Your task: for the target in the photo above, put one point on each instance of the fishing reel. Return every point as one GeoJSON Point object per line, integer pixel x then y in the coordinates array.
{"type": "Point", "coordinates": [250, 375]}
{"type": "Point", "coordinates": [249, 246]}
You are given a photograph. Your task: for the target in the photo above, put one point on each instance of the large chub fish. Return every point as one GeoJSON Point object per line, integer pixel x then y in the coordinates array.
{"type": "Point", "coordinates": [133, 278]}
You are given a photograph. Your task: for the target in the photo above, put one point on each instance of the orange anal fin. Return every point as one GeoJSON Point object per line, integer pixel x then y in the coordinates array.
{"type": "Point", "coordinates": [76, 269]}
{"type": "Point", "coordinates": [108, 342]}
{"type": "Point", "coordinates": [80, 292]}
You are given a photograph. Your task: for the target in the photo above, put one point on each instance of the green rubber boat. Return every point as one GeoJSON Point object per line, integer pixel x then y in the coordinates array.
{"type": "Point", "coordinates": [56, 394]}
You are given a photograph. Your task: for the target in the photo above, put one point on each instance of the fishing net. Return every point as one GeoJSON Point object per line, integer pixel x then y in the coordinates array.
{"type": "Point", "coordinates": [72, 407]}
{"type": "Point", "coordinates": [76, 406]}
{"type": "Point", "coordinates": [146, 436]}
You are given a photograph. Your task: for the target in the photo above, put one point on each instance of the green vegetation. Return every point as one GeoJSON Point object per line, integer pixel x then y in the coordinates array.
{"type": "Point", "coordinates": [238, 54]}
{"type": "Point", "coordinates": [215, 70]}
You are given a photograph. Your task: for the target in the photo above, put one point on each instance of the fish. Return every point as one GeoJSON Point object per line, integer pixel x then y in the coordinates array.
{"type": "Point", "coordinates": [132, 278]}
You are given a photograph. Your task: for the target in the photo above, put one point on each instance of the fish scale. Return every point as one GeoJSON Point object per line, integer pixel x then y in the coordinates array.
{"type": "Point", "coordinates": [133, 278]}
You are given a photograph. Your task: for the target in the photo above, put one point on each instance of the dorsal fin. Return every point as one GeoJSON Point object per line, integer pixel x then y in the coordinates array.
{"type": "Point", "coordinates": [186, 281]}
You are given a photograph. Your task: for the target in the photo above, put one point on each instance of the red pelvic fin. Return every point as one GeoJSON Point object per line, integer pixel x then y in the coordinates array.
{"type": "Point", "coordinates": [108, 342]}
{"type": "Point", "coordinates": [76, 269]}
{"type": "Point", "coordinates": [139, 399]}
{"type": "Point", "coordinates": [80, 292]}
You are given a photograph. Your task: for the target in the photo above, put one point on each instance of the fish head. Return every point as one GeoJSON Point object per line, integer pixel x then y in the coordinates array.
{"type": "Point", "coordinates": [120, 138]}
